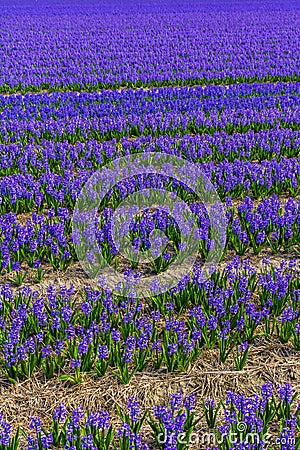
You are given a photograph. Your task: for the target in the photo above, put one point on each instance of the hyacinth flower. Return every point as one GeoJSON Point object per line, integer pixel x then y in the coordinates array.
{"type": "Point", "coordinates": [103, 361]}
{"type": "Point", "coordinates": [100, 430]}
{"type": "Point", "coordinates": [17, 274]}
{"type": "Point", "coordinates": [38, 272]}
{"type": "Point", "coordinates": [287, 323]}
{"type": "Point", "coordinates": [81, 358]}
{"type": "Point", "coordinates": [180, 295]}
{"type": "Point", "coordinates": [74, 429]}
{"type": "Point", "coordinates": [288, 438]}
{"type": "Point", "coordinates": [268, 405]}
{"type": "Point", "coordinates": [59, 425]}
{"type": "Point", "coordinates": [173, 426]}
{"type": "Point", "coordinates": [179, 347]}
{"type": "Point", "coordinates": [286, 398]}
{"type": "Point", "coordinates": [129, 440]}
{"type": "Point", "coordinates": [42, 439]}
{"type": "Point", "coordinates": [130, 357]}
{"type": "Point", "coordinates": [7, 441]}
{"type": "Point", "coordinates": [241, 422]}
{"type": "Point", "coordinates": [226, 341]}
{"type": "Point", "coordinates": [129, 436]}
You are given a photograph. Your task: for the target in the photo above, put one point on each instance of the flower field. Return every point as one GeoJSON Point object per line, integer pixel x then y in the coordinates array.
{"type": "Point", "coordinates": [150, 225]}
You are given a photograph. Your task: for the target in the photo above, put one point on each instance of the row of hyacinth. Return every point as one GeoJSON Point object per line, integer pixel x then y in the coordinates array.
{"type": "Point", "coordinates": [151, 43]}
{"type": "Point", "coordinates": [240, 422]}
{"type": "Point", "coordinates": [60, 334]}
{"type": "Point", "coordinates": [129, 102]}
{"type": "Point", "coordinates": [58, 157]}
{"type": "Point", "coordinates": [77, 120]}
{"type": "Point", "coordinates": [27, 192]}
{"type": "Point", "coordinates": [52, 238]}
{"type": "Point", "coordinates": [80, 129]}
